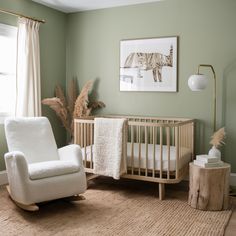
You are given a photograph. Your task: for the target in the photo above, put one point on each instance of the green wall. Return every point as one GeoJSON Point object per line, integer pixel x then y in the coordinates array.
{"type": "Point", "coordinates": [86, 45]}
{"type": "Point", "coordinates": [53, 56]}
{"type": "Point", "coordinates": [207, 33]}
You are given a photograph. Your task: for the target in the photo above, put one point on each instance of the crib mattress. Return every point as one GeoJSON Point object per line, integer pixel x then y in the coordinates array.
{"type": "Point", "coordinates": [185, 159]}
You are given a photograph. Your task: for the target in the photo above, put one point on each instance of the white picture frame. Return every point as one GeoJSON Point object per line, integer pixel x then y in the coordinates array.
{"type": "Point", "coordinates": [149, 64]}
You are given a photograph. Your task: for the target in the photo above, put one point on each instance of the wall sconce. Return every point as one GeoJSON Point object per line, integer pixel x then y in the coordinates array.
{"type": "Point", "coordinates": [199, 81]}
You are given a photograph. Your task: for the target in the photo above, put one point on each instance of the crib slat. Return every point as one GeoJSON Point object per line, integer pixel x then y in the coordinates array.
{"type": "Point", "coordinates": [168, 150]}
{"type": "Point", "coordinates": [91, 146]}
{"type": "Point", "coordinates": [146, 149]}
{"type": "Point", "coordinates": [161, 155]}
{"type": "Point", "coordinates": [182, 127]}
{"type": "Point", "coordinates": [75, 133]}
{"type": "Point", "coordinates": [77, 129]}
{"type": "Point", "coordinates": [132, 149]}
{"type": "Point", "coordinates": [87, 134]}
{"type": "Point", "coordinates": [150, 135]}
{"type": "Point", "coordinates": [173, 135]}
{"type": "Point", "coordinates": [177, 152]}
{"type": "Point", "coordinates": [154, 152]}
{"type": "Point", "coordinates": [85, 144]}
{"type": "Point", "coordinates": [137, 133]}
{"type": "Point", "coordinates": [184, 140]}
{"type": "Point", "coordinates": [139, 150]}
{"type": "Point", "coordinates": [81, 134]}
{"type": "Point", "coordinates": [180, 143]}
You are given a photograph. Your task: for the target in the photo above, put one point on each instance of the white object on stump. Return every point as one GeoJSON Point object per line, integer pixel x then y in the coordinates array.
{"type": "Point", "coordinates": [209, 187]}
{"type": "Point", "coordinates": [214, 152]}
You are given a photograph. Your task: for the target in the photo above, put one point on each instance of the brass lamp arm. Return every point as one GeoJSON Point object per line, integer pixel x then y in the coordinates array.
{"type": "Point", "coordinates": [214, 92]}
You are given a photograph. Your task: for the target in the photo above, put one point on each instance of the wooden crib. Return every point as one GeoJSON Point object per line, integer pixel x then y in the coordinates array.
{"type": "Point", "coordinates": [158, 149]}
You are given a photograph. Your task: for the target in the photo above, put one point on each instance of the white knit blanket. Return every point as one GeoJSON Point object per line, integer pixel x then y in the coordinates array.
{"type": "Point", "coordinates": [110, 143]}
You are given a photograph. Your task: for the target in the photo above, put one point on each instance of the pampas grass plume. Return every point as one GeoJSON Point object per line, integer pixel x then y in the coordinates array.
{"type": "Point", "coordinates": [72, 107]}
{"type": "Point", "coordinates": [217, 139]}
{"type": "Point", "coordinates": [81, 103]}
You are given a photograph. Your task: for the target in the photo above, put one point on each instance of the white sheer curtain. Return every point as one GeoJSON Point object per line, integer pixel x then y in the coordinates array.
{"type": "Point", "coordinates": [28, 94]}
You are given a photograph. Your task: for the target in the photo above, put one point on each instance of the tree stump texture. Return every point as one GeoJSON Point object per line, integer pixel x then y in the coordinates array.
{"type": "Point", "coordinates": [209, 187]}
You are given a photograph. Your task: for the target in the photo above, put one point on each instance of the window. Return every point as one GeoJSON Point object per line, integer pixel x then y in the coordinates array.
{"type": "Point", "coordinates": [8, 42]}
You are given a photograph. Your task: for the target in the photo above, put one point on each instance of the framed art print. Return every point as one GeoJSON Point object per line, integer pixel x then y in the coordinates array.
{"type": "Point", "coordinates": [148, 64]}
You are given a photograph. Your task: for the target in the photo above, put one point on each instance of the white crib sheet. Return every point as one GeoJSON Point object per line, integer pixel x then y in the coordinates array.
{"type": "Point", "coordinates": [186, 156]}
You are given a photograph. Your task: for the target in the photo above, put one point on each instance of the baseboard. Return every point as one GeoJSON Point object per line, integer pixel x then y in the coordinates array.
{"type": "Point", "coordinates": [3, 177]}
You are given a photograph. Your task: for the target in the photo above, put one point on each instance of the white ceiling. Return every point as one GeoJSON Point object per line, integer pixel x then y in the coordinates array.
{"type": "Point", "coordinates": [84, 5]}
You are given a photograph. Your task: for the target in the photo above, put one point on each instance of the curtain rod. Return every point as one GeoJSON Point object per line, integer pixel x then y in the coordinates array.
{"type": "Point", "coordinates": [20, 15]}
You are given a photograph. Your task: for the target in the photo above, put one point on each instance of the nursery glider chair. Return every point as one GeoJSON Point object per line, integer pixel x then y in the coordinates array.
{"type": "Point", "coordinates": [37, 170]}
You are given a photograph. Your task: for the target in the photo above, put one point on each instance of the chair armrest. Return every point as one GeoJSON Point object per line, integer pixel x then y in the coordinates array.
{"type": "Point", "coordinates": [16, 165]}
{"type": "Point", "coordinates": [72, 153]}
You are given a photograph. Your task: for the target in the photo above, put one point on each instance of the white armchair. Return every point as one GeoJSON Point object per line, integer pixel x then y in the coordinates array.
{"type": "Point", "coordinates": [37, 170]}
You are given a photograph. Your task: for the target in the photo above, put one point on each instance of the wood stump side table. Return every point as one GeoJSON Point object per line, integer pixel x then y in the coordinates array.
{"type": "Point", "coordinates": [209, 187]}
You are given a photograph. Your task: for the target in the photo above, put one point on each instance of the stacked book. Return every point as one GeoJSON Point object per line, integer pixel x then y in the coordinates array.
{"type": "Point", "coordinates": [207, 161]}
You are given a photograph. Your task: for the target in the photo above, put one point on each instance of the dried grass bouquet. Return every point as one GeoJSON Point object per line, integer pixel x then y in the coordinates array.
{"type": "Point", "coordinates": [73, 106]}
{"type": "Point", "coordinates": [217, 139]}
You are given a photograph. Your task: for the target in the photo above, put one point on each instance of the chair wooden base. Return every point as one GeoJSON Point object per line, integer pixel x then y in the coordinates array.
{"type": "Point", "coordinates": [31, 207]}
{"type": "Point", "coordinates": [34, 207]}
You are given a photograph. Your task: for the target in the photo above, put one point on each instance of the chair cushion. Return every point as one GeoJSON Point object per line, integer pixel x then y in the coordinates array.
{"type": "Point", "coordinates": [48, 169]}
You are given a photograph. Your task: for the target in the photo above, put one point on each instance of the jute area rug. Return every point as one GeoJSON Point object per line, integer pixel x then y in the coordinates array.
{"type": "Point", "coordinates": [114, 208]}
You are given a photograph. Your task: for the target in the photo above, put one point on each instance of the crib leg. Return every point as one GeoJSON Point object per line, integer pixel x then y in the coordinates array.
{"type": "Point", "coordinates": [161, 191]}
